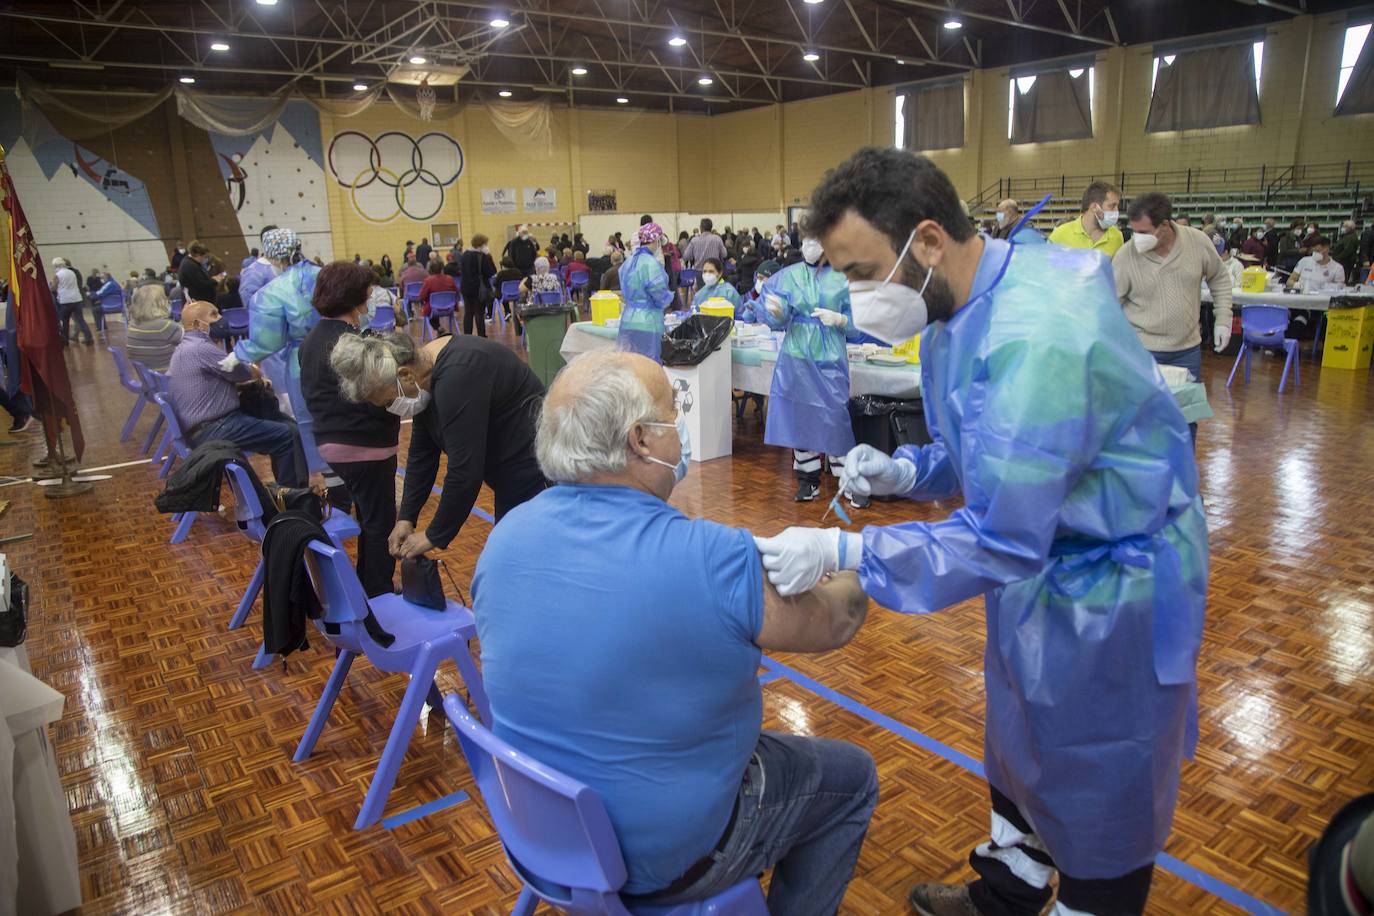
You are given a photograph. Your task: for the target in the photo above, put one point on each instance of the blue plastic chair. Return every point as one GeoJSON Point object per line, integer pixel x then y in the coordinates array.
{"type": "Point", "coordinates": [153, 383]}
{"type": "Point", "coordinates": [578, 281]}
{"type": "Point", "coordinates": [510, 294]}
{"type": "Point", "coordinates": [558, 836]}
{"type": "Point", "coordinates": [384, 319]}
{"type": "Point", "coordinates": [178, 447]}
{"type": "Point", "coordinates": [238, 322]}
{"type": "Point", "coordinates": [175, 305]}
{"type": "Point", "coordinates": [111, 304]}
{"type": "Point", "coordinates": [131, 382]}
{"type": "Point", "coordinates": [424, 638]}
{"type": "Point", "coordinates": [412, 297]}
{"type": "Point", "coordinates": [248, 513]}
{"type": "Point", "coordinates": [687, 281]}
{"type": "Point", "coordinates": [1263, 327]}
{"type": "Point", "coordinates": [441, 306]}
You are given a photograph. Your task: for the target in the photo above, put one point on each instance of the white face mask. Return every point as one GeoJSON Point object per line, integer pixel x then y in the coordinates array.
{"type": "Point", "coordinates": [1323, 257]}
{"type": "Point", "coordinates": [1001, 218]}
{"type": "Point", "coordinates": [1143, 242]}
{"type": "Point", "coordinates": [811, 250]}
{"type": "Point", "coordinates": [758, 285]}
{"type": "Point", "coordinates": [1108, 218]}
{"type": "Point", "coordinates": [684, 441]}
{"type": "Point", "coordinates": [709, 279]}
{"type": "Point", "coordinates": [486, 249]}
{"type": "Point", "coordinates": [891, 312]}
{"type": "Point", "coordinates": [405, 406]}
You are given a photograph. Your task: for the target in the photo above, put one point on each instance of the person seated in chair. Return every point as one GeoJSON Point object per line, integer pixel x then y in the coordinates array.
{"type": "Point", "coordinates": [627, 657]}
{"type": "Point", "coordinates": [205, 399]}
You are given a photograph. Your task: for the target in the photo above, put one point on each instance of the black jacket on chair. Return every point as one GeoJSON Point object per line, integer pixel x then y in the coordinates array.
{"type": "Point", "coordinates": [195, 485]}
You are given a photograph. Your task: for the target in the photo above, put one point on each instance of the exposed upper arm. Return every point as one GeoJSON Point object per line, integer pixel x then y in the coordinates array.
{"type": "Point", "coordinates": [822, 619]}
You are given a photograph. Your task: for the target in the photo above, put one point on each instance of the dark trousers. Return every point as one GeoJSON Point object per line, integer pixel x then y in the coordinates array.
{"type": "Point", "coordinates": [1014, 870]}
{"type": "Point", "coordinates": [98, 316]}
{"type": "Point", "coordinates": [277, 439]}
{"type": "Point", "coordinates": [17, 406]}
{"type": "Point", "coordinates": [1190, 359]}
{"type": "Point", "coordinates": [473, 317]}
{"type": "Point", "coordinates": [372, 486]}
{"type": "Point", "coordinates": [66, 311]}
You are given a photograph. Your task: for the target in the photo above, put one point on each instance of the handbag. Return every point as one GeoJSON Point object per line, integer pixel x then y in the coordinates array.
{"type": "Point", "coordinates": [420, 583]}
{"type": "Point", "coordinates": [302, 499]}
{"type": "Point", "coordinates": [14, 621]}
{"type": "Point", "coordinates": [260, 402]}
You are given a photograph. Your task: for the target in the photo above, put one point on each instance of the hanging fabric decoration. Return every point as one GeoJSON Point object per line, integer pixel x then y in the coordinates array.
{"type": "Point", "coordinates": [425, 99]}
{"type": "Point", "coordinates": [529, 125]}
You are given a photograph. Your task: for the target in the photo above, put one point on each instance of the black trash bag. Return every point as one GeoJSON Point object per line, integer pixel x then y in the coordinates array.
{"type": "Point", "coordinates": [698, 337]}
{"type": "Point", "coordinates": [886, 423]}
{"type": "Point", "coordinates": [14, 623]}
{"type": "Point", "coordinates": [530, 310]}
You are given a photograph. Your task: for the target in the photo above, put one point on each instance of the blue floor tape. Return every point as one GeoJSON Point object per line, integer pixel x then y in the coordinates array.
{"type": "Point", "coordinates": [428, 808]}
{"type": "Point", "coordinates": [1189, 873]}
{"type": "Point", "coordinates": [476, 510]}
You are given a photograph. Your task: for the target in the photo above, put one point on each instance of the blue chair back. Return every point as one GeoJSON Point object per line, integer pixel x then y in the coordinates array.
{"type": "Point", "coordinates": [175, 306]}
{"type": "Point", "coordinates": [247, 508]}
{"type": "Point", "coordinates": [687, 277]}
{"type": "Point", "coordinates": [238, 320]}
{"type": "Point", "coordinates": [412, 291]}
{"type": "Point", "coordinates": [384, 319]}
{"type": "Point", "coordinates": [164, 403]}
{"type": "Point", "coordinates": [510, 290]}
{"type": "Point", "coordinates": [112, 303]}
{"type": "Point", "coordinates": [557, 834]}
{"type": "Point", "coordinates": [154, 382]}
{"type": "Point", "coordinates": [579, 278]}
{"type": "Point", "coordinates": [553, 298]}
{"type": "Point", "coordinates": [1264, 325]}
{"type": "Point", "coordinates": [442, 302]}
{"type": "Point", "coordinates": [337, 584]}
{"type": "Point", "coordinates": [127, 376]}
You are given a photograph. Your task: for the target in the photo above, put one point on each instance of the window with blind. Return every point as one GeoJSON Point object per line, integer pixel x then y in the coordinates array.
{"type": "Point", "coordinates": [1355, 80]}
{"type": "Point", "coordinates": [1051, 105]}
{"type": "Point", "coordinates": [930, 117]}
{"type": "Point", "coordinates": [1206, 87]}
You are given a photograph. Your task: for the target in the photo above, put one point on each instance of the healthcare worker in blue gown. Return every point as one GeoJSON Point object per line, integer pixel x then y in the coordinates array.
{"type": "Point", "coordinates": [644, 289]}
{"type": "Point", "coordinates": [1081, 528]}
{"type": "Point", "coordinates": [808, 402]}
{"type": "Point", "coordinates": [714, 286]}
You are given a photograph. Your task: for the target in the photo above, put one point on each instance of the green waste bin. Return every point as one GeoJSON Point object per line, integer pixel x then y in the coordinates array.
{"type": "Point", "coordinates": [543, 339]}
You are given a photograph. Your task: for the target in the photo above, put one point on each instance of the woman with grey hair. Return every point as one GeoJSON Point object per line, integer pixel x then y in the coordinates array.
{"type": "Point", "coordinates": [151, 335]}
{"type": "Point", "coordinates": [473, 401]}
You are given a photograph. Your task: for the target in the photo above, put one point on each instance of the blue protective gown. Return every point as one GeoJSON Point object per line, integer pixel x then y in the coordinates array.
{"type": "Point", "coordinates": [808, 404]}
{"type": "Point", "coordinates": [1083, 530]}
{"type": "Point", "coordinates": [721, 290]}
{"type": "Point", "coordinates": [645, 290]}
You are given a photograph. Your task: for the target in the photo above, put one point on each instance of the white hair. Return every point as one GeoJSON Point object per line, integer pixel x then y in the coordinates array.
{"type": "Point", "coordinates": [366, 364]}
{"type": "Point", "coordinates": [148, 304]}
{"type": "Point", "coordinates": [587, 433]}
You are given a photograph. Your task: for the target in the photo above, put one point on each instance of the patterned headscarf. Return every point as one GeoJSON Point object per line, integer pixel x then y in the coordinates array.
{"type": "Point", "coordinates": [278, 244]}
{"type": "Point", "coordinates": [649, 233]}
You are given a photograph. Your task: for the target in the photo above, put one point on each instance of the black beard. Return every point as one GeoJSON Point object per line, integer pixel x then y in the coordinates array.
{"type": "Point", "coordinates": [938, 296]}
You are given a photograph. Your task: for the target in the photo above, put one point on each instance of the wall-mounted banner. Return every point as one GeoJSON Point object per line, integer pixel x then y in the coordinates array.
{"type": "Point", "coordinates": [540, 200]}
{"type": "Point", "coordinates": [498, 200]}
{"type": "Point", "coordinates": [601, 200]}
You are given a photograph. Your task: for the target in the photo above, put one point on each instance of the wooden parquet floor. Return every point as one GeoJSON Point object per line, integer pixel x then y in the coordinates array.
{"type": "Point", "coordinates": [176, 756]}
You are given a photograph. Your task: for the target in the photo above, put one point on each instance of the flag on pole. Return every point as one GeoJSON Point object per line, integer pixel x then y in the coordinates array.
{"type": "Point", "coordinates": [43, 374]}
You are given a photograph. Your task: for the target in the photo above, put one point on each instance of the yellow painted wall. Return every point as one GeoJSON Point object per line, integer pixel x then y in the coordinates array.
{"type": "Point", "coordinates": [771, 157]}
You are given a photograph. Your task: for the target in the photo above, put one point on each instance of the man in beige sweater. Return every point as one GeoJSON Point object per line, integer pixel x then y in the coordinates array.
{"type": "Point", "coordinates": [1159, 278]}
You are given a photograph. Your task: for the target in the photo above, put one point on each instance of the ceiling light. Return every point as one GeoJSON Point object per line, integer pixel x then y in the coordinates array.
{"type": "Point", "coordinates": [677, 41]}
{"type": "Point", "coordinates": [814, 2]}
{"type": "Point", "coordinates": [900, 61]}
{"type": "Point", "coordinates": [499, 23]}
{"type": "Point", "coordinates": [360, 87]}
{"type": "Point", "coordinates": [218, 46]}
{"type": "Point", "coordinates": [579, 71]}
{"type": "Point", "coordinates": [621, 100]}
{"type": "Point", "coordinates": [504, 93]}
{"type": "Point", "coordinates": [953, 24]}
{"type": "Point", "coordinates": [417, 59]}
{"type": "Point", "coordinates": [188, 79]}
{"type": "Point", "coordinates": [704, 81]}
{"type": "Point", "coordinates": [810, 55]}
{"type": "Point", "coordinates": [267, 2]}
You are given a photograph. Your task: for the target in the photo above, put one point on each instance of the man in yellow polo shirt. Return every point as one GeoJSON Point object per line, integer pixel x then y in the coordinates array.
{"type": "Point", "coordinates": [1095, 227]}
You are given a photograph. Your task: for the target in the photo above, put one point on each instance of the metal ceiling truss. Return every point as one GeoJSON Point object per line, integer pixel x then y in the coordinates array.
{"type": "Point", "coordinates": [552, 39]}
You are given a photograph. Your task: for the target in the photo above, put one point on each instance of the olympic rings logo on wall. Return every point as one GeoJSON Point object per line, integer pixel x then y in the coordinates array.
{"type": "Point", "coordinates": [394, 174]}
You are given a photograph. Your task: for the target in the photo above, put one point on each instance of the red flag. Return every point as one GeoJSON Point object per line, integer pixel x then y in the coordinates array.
{"type": "Point", "coordinates": [43, 374]}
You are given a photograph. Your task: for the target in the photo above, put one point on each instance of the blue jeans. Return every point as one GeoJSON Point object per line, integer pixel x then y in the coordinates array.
{"type": "Point", "coordinates": [1190, 359]}
{"type": "Point", "coordinates": [803, 809]}
{"type": "Point", "coordinates": [275, 438]}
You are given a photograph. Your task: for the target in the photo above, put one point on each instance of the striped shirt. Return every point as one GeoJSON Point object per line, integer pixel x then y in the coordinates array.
{"type": "Point", "coordinates": [152, 342]}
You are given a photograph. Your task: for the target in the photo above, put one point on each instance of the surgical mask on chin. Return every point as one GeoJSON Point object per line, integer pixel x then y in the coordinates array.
{"type": "Point", "coordinates": [891, 312]}
{"type": "Point", "coordinates": [405, 406]}
{"type": "Point", "coordinates": [758, 286]}
{"type": "Point", "coordinates": [1143, 242]}
{"type": "Point", "coordinates": [684, 441]}
{"type": "Point", "coordinates": [709, 279]}
{"type": "Point", "coordinates": [1108, 218]}
{"type": "Point", "coordinates": [811, 250]}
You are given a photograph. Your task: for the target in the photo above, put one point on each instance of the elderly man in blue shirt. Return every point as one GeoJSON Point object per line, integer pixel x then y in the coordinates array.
{"type": "Point", "coordinates": [621, 644]}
